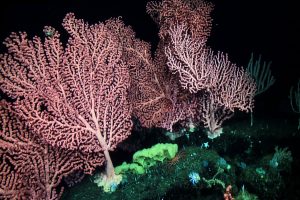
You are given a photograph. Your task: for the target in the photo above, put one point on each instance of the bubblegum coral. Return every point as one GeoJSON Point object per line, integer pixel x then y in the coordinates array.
{"type": "Point", "coordinates": [73, 97]}
{"type": "Point", "coordinates": [194, 13]}
{"type": "Point", "coordinates": [30, 168]}
{"type": "Point", "coordinates": [155, 95]}
{"type": "Point", "coordinates": [224, 86]}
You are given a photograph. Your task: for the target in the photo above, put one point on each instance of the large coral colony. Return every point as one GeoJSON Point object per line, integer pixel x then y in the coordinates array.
{"type": "Point", "coordinates": [70, 105]}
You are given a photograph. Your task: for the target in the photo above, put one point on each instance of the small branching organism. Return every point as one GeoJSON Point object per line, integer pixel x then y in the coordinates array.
{"type": "Point", "coordinates": [281, 159]}
{"type": "Point", "coordinates": [295, 100]}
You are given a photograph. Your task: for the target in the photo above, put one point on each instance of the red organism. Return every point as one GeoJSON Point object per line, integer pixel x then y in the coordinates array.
{"type": "Point", "coordinates": [73, 97]}
{"type": "Point", "coordinates": [30, 168]}
{"type": "Point", "coordinates": [223, 86]}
